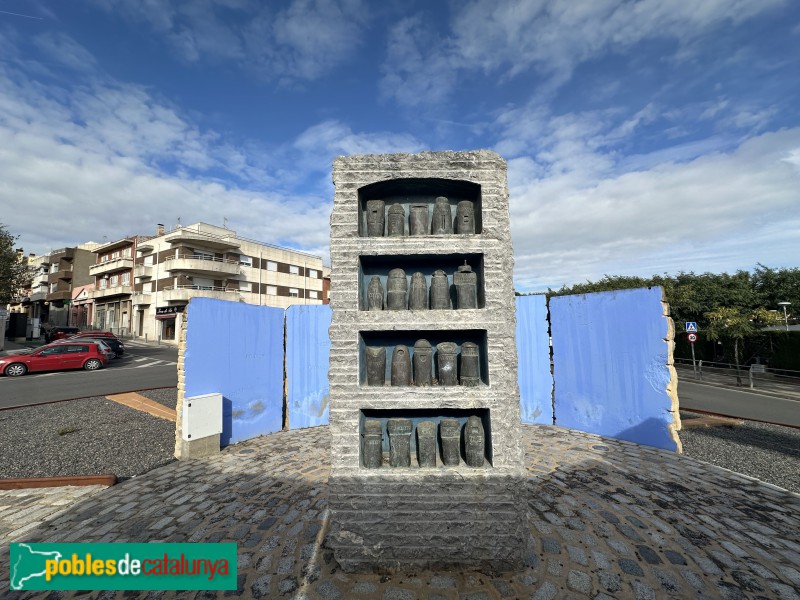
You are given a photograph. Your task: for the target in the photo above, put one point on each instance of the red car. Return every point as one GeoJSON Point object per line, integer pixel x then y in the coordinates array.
{"type": "Point", "coordinates": [55, 357]}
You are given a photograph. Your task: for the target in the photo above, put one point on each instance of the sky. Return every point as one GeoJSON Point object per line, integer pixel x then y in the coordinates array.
{"type": "Point", "coordinates": [642, 137]}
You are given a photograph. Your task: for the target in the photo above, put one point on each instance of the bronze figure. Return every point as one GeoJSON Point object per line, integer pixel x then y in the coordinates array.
{"type": "Point", "coordinates": [474, 442]}
{"type": "Point", "coordinates": [418, 297]}
{"type": "Point", "coordinates": [401, 366]}
{"type": "Point", "coordinates": [426, 444]}
{"type": "Point", "coordinates": [450, 431]}
{"type": "Point", "coordinates": [373, 444]}
{"type": "Point", "coordinates": [376, 365]}
{"type": "Point", "coordinates": [423, 363]}
{"type": "Point", "coordinates": [466, 282]}
{"type": "Point", "coordinates": [397, 221]}
{"type": "Point", "coordinates": [376, 218]}
{"type": "Point", "coordinates": [440, 291]}
{"type": "Point", "coordinates": [465, 217]}
{"type": "Point", "coordinates": [397, 290]}
{"type": "Point", "coordinates": [418, 220]}
{"type": "Point", "coordinates": [375, 294]}
{"type": "Point", "coordinates": [470, 361]}
{"type": "Point", "coordinates": [442, 220]}
{"type": "Point", "coordinates": [446, 358]}
{"type": "Point", "coordinates": [399, 442]}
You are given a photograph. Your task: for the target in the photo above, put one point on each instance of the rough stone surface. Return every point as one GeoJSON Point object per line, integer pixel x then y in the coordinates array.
{"type": "Point", "coordinates": [272, 490]}
{"type": "Point", "coordinates": [423, 517]}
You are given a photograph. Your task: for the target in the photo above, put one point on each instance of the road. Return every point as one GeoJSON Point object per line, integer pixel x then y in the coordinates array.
{"type": "Point", "coordinates": [139, 369]}
{"type": "Point", "coordinates": [738, 403]}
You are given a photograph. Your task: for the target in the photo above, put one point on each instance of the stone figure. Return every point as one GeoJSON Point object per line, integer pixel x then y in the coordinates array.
{"type": "Point", "coordinates": [442, 220]}
{"type": "Point", "coordinates": [466, 282]}
{"type": "Point", "coordinates": [375, 294]}
{"type": "Point", "coordinates": [446, 356]}
{"type": "Point", "coordinates": [397, 221]}
{"type": "Point", "coordinates": [376, 218]}
{"type": "Point", "coordinates": [418, 220]}
{"type": "Point", "coordinates": [376, 365]}
{"type": "Point", "coordinates": [401, 366]}
{"type": "Point", "coordinates": [399, 442]}
{"type": "Point", "coordinates": [396, 290]}
{"type": "Point", "coordinates": [465, 217]}
{"type": "Point", "coordinates": [418, 296]}
{"type": "Point", "coordinates": [423, 363]}
{"type": "Point", "coordinates": [440, 291]}
{"type": "Point", "coordinates": [450, 431]}
{"type": "Point", "coordinates": [373, 444]}
{"type": "Point", "coordinates": [470, 365]}
{"type": "Point", "coordinates": [426, 444]}
{"type": "Point", "coordinates": [474, 442]}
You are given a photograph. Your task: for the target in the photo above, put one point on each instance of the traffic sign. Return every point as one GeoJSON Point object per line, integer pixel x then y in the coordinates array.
{"type": "Point", "coordinates": [691, 326]}
{"type": "Point", "coordinates": [692, 338]}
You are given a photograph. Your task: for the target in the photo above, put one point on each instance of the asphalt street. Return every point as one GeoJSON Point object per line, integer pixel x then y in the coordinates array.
{"type": "Point", "coordinates": [139, 369]}
{"type": "Point", "coordinates": [743, 404]}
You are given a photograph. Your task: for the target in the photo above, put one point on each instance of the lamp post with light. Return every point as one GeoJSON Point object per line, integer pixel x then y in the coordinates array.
{"type": "Point", "coordinates": [785, 316]}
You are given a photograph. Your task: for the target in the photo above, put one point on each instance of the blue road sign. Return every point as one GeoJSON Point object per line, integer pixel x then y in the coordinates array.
{"type": "Point", "coordinates": [691, 326]}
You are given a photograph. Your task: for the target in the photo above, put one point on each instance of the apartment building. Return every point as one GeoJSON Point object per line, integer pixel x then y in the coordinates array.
{"type": "Point", "coordinates": [202, 260]}
{"type": "Point", "coordinates": [113, 285]}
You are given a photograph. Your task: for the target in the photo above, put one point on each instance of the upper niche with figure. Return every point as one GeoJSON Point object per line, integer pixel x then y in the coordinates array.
{"type": "Point", "coordinates": [416, 207]}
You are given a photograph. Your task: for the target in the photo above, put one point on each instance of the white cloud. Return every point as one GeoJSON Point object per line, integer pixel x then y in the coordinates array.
{"type": "Point", "coordinates": [507, 38]}
{"type": "Point", "coordinates": [299, 42]}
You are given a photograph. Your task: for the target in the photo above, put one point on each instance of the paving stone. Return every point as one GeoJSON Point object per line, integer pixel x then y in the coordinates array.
{"type": "Point", "coordinates": [505, 589]}
{"type": "Point", "coordinates": [649, 555]}
{"type": "Point", "coordinates": [578, 555]}
{"type": "Point", "coordinates": [631, 567]}
{"type": "Point", "coordinates": [579, 581]}
{"type": "Point", "coordinates": [260, 587]}
{"type": "Point", "coordinates": [547, 591]}
{"type": "Point", "coordinates": [609, 580]}
{"type": "Point", "coordinates": [364, 587]}
{"type": "Point", "coordinates": [642, 591]}
{"type": "Point", "coordinates": [551, 546]}
{"type": "Point", "coordinates": [674, 558]}
{"type": "Point", "coordinates": [394, 593]}
{"type": "Point", "coordinates": [328, 591]}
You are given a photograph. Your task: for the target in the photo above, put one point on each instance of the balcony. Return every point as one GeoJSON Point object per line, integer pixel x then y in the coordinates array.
{"type": "Point", "coordinates": [119, 290]}
{"type": "Point", "coordinates": [203, 239]}
{"type": "Point", "coordinates": [198, 264]}
{"type": "Point", "coordinates": [143, 271]}
{"type": "Point", "coordinates": [38, 296]}
{"type": "Point", "coordinates": [62, 253]}
{"type": "Point", "coordinates": [63, 274]}
{"type": "Point", "coordinates": [112, 266]}
{"type": "Point", "coordinates": [141, 299]}
{"type": "Point", "coordinates": [187, 292]}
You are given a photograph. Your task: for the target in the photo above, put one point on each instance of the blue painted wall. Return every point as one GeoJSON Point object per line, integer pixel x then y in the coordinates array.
{"type": "Point", "coordinates": [533, 350]}
{"type": "Point", "coordinates": [307, 349]}
{"type": "Point", "coordinates": [610, 365]}
{"type": "Point", "coordinates": [237, 349]}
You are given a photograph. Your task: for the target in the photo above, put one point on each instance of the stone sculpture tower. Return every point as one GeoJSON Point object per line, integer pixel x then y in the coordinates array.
{"type": "Point", "coordinates": [426, 461]}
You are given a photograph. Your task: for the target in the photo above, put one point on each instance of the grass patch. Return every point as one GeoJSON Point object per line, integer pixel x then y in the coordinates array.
{"type": "Point", "coordinates": [67, 429]}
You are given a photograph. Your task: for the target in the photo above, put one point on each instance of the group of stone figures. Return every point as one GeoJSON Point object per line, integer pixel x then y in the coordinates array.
{"type": "Point", "coordinates": [400, 431]}
{"type": "Point", "coordinates": [419, 222]}
{"type": "Point", "coordinates": [400, 297]}
{"type": "Point", "coordinates": [422, 374]}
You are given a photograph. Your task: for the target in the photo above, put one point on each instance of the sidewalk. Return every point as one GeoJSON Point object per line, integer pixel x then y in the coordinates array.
{"type": "Point", "coordinates": [606, 519]}
{"type": "Point", "coordinates": [761, 385]}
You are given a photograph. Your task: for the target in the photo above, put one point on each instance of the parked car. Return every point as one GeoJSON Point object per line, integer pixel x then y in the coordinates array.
{"type": "Point", "coordinates": [95, 334]}
{"type": "Point", "coordinates": [59, 333]}
{"type": "Point", "coordinates": [59, 356]}
{"type": "Point", "coordinates": [105, 347]}
{"type": "Point", "coordinates": [116, 345]}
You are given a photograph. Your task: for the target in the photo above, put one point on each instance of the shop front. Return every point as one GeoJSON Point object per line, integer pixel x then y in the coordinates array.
{"type": "Point", "coordinates": [169, 319]}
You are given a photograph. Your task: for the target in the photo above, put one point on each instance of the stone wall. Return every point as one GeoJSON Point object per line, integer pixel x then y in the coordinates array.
{"type": "Point", "coordinates": [392, 517]}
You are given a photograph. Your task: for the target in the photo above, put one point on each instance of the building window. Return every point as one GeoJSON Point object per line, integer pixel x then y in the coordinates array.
{"type": "Point", "coordinates": [272, 266]}
{"type": "Point", "coordinates": [126, 278]}
{"type": "Point", "coordinates": [272, 290]}
{"type": "Point", "coordinates": [294, 293]}
{"type": "Point", "coordinates": [313, 294]}
{"type": "Point", "coordinates": [103, 283]}
{"type": "Point", "coordinates": [114, 281]}
{"type": "Point", "coordinates": [245, 261]}
{"type": "Point", "coordinates": [313, 273]}
{"type": "Point", "coordinates": [293, 270]}
{"type": "Point", "coordinates": [127, 252]}
{"type": "Point", "coordinates": [148, 260]}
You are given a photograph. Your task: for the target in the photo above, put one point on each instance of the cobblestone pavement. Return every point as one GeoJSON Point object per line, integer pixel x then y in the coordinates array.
{"type": "Point", "coordinates": [608, 519]}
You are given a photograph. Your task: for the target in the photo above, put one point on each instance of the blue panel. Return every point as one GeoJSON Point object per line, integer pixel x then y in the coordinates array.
{"type": "Point", "coordinates": [307, 349]}
{"type": "Point", "coordinates": [237, 349]}
{"type": "Point", "coordinates": [610, 365]}
{"type": "Point", "coordinates": [533, 351]}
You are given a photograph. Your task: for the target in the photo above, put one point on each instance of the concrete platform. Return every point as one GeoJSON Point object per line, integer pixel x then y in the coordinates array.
{"type": "Point", "coordinates": [607, 519]}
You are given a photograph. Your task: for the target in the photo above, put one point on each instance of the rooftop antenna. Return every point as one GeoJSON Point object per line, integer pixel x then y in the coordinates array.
{"type": "Point", "coordinates": [225, 222]}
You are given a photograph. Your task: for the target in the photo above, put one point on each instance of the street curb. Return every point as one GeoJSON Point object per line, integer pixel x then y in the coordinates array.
{"type": "Point", "coordinates": [61, 481]}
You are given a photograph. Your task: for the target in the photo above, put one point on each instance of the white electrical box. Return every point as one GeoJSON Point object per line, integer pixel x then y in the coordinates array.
{"type": "Point", "coordinates": [202, 416]}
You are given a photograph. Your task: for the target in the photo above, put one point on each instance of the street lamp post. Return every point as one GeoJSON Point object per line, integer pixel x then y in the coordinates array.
{"type": "Point", "coordinates": [785, 316]}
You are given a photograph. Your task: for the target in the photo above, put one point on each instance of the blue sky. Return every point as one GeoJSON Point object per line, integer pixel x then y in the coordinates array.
{"type": "Point", "coordinates": [642, 137]}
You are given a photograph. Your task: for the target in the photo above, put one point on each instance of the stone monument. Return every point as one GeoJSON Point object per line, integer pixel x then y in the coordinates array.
{"type": "Point", "coordinates": [426, 458]}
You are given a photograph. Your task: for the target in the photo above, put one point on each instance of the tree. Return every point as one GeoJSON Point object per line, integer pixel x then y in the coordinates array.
{"type": "Point", "coordinates": [13, 272]}
{"type": "Point", "coordinates": [734, 324]}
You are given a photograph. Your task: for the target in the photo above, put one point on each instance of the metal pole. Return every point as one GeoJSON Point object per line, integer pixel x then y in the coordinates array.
{"type": "Point", "coordinates": [700, 369]}
{"type": "Point", "coordinates": [694, 365]}
{"type": "Point", "coordinates": [750, 375]}
{"type": "Point", "coordinates": [785, 318]}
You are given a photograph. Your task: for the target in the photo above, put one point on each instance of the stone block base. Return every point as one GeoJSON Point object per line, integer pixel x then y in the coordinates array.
{"type": "Point", "coordinates": [198, 448]}
{"type": "Point", "coordinates": [383, 521]}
